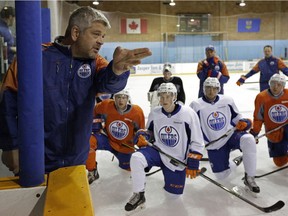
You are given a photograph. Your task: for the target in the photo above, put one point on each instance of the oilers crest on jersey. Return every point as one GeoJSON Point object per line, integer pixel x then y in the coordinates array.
{"type": "Point", "coordinates": [119, 129]}
{"type": "Point", "coordinates": [278, 113]}
{"type": "Point", "coordinates": [216, 121]}
{"type": "Point", "coordinates": [169, 136]}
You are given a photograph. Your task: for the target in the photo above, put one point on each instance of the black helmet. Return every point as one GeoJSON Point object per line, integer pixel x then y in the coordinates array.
{"type": "Point", "coordinates": [7, 11]}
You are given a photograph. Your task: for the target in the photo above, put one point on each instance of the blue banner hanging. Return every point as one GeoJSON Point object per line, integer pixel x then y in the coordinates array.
{"type": "Point", "coordinates": [249, 25]}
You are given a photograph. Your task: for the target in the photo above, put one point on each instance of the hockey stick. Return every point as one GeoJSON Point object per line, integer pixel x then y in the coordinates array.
{"type": "Point", "coordinates": [277, 170]}
{"type": "Point", "coordinates": [151, 173]}
{"type": "Point", "coordinates": [136, 149]}
{"type": "Point", "coordinates": [254, 82]}
{"type": "Point", "coordinates": [202, 159]}
{"type": "Point", "coordinates": [268, 132]}
{"type": "Point", "coordinates": [173, 160]}
{"type": "Point", "coordinates": [278, 205]}
{"type": "Point", "coordinates": [251, 82]}
{"type": "Point", "coordinates": [224, 135]}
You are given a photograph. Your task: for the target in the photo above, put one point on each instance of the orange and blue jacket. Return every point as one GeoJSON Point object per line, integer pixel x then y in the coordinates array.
{"type": "Point", "coordinates": [69, 89]}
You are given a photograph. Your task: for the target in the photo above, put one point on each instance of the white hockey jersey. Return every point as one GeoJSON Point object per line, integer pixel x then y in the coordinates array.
{"type": "Point", "coordinates": [216, 118]}
{"type": "Point", "coordinates": [175, 133]}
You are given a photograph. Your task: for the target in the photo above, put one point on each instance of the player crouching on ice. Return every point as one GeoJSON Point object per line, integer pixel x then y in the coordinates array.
{"type": "Point", "coordinates": [218, 116]}
{"type": "Point", "coordinates": [271, 109]}
{"type": "Point", "coordinates": [114, 126]}
{"type": "Point", "coordinates": [175, 130]}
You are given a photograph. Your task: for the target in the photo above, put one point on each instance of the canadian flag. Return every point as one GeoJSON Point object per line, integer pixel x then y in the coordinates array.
{"type": "Point", "coordinates": [133, 26]}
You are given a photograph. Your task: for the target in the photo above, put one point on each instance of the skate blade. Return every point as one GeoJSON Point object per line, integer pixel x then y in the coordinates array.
{"type": "Point", "coordinates": [244, 191]}
{"type": "Point", "coordinates": [248, 191]}
{"type": "Point", "coordinates": [238, 190]}
{"type": "Point", "coordinates": [138, 209]}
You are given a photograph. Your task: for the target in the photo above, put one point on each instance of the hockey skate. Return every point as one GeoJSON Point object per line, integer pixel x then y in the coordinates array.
{"type": "Point", "coordinates": [238, 160]}
{"type": "Point", "coordinates": [93, 175]}
{"type": "Point", "coordinates": [251, 185]}
{"type": "Point", "coordinates": [136, 202]}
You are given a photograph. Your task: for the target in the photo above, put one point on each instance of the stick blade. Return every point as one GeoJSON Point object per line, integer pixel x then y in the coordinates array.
{"type": "Point", "coordinates": [274, 207]}
{"type": "Point", "coordinates": [203, 170]}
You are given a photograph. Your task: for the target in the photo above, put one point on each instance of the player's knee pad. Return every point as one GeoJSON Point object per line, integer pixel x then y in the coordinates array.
{"type": "Point", "coordinates": [280, 161]}
{"type": "Point", "coordinates": [248, 143]}
{"type": "Point", "coordinates": [138, 161]}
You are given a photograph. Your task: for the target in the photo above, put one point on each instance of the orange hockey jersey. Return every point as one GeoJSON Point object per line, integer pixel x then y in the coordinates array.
{"type": "Point", "coordinates": [270, 110]}
{"type": "Point", "coordinates": [120, 127]}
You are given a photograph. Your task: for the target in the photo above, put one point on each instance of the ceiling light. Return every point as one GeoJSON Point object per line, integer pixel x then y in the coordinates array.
{"type": "Point", "coordinates": [172, 3]}
{"type": "Point", "coordinates": [242, 3]}
{"type": "Point", "coordinates": [95, 2]}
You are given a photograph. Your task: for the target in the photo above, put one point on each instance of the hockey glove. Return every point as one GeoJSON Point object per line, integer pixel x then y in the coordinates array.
{"type": "Point", "coordinates": [142, 137]}
{"type": "Point", "coordinates": [142, 142]}
{"type": "Point", "coordinates": [192, 169]}
{"type": "Point", "coordinates": [241, 81]}
{"type": "Point", "coordinates": [243, 124]}
{"type": "Point", "coordinates": [255, 135]}
{"type": "Point", "coordinates": [216, 74]}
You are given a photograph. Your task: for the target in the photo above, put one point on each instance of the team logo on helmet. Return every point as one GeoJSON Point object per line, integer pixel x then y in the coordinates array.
{"type": "Point", "coordinates": [84, 71]}
{"type": "Point", "coordinates": [217, 68]}
{"type": "Point", "coordinates": [105, 96]}
{"type": "Point", "coordinates": [278, 113]}
{"type": "Point", "coordinates": [216, 121]}
{"type": "Point", "coordinates": [119, 129]}
{"type": "Point", "coordinates": [169, 136]}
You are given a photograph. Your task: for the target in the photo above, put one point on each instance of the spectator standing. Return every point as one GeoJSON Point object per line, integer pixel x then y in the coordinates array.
{"type": "Point", "coordinates": [167, 77]}
{"type": "Point", "coordinates": [268, 66]}
{"type": "Point", "coordinates": [212, 66]}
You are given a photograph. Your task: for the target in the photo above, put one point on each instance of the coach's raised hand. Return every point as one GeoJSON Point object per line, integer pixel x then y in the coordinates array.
{"type": "Point", "coordinates": [124, 59]}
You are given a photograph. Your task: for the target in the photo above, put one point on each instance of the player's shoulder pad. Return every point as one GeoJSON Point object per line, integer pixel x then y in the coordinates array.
{"type": "Point", "coordinates": [136, 107]}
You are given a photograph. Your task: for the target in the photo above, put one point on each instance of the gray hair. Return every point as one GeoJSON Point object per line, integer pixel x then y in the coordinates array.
{"type": "Point", "coordinates": [84, 17]}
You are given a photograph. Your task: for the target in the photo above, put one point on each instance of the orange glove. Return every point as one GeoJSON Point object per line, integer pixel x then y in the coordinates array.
{"type": "Point", "coordinates": [146, 136]}
{"type": "Point", "coordinates": [241, 80]}
{"type": "Point", "coordinates": [192, 173]}
{"type": "Point", "coordinates": [192, 169]}
{"type": "Point", "coordinates": [243, 124]}
{"type": "Point", "coordinates": [142, 142]}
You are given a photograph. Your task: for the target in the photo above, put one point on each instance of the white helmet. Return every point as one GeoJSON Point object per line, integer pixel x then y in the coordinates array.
{"type": "Point", "coordinates": [278, 78]}
{"type": "Point", "coordinates": [123, 92]}
{"type": "Point", "coordinates": [212, 82]}
{"type": "Point", "coordinates": [167, 88]}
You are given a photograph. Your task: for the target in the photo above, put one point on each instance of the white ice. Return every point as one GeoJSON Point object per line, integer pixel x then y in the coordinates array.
{"type": "Point", "coordinates": [201, 198]}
